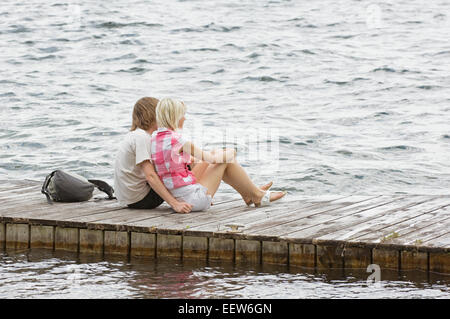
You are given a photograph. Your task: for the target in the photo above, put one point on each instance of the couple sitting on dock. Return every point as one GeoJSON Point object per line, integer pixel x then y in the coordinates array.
{"type": "Point", "coordinates": [155, 163]}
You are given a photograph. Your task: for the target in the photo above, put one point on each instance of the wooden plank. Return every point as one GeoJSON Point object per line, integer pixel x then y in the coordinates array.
{"type": "Point", "coordinates": [440, 241]}
{"type": "Point", "coordinates": [17, 236]}
{"type": "Point", "coordinates": [168, 245]}
{"type": "Point", "coordinates": [414, 260]}
{"type": "Point", "coordinates": [221, 249]}
{"type": "Point", "coordinates": [143, 244]}
{"type": "Point", "coordinates": [42, 237]}
{"type": "Point", "coordinates": [91, 241]}
{"type": "Point", "coordinates": [195, 247]}
{"type": "Point", "coordinates": [2, 235]}
{"type": "Point", "coordinates": [357, 257]}
{"type": "Point", "coordinates": [66, 239]}
{"type": "Point", "coordinates": [440, 262]}
{"type": "Point", "coordinates": [303, 255]}
{"type": "Point", "coordinates": [275, 252]}
{"type": "Point", "coordinates": [369, 226]}
{"type": "Point", "coordinates": [179, 222]}
{"type": "Point", "coordinates": [120, 216]}
{"type": "Point", "coordinates": [116, 243]}
{"type": "Point", "coordinates": [248, 251]}
{"type": "Point", "coordinates": [386, 258]}
{"type": "Point", "coordinates": [58, 213]}
{"type": "Point", "coordinates": [251, 216]}
{"type": "Point", "coordinates": [388, 230]}
{"type": "Point", "coordinates": [303, 221]}
{"type": "Point", "coordinates": [329, 257]}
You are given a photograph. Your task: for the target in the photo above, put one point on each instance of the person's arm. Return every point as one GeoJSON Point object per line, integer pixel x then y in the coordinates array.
{"type": "Point", "coordinates": [212, 157]}
{"type": "Point", "coordinates": [161, 190]}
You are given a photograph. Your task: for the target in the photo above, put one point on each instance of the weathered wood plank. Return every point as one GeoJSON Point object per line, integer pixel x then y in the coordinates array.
{"type": "Point", "coordinates": [91, 241]}
{"type": "Point", "coordinates": [390, 231]}
{"type": "Point", "coordinates": [2, 235]}
{"type": "Point", "coordinates": [414, 260]}
{"type": "Point", "coordinates": [66, 239]}
{"type": "Point", "coordinates": [317, 218]}
{"type": "Point", "coordinates": [143, 244]}
{"type": "Point", "coordinates": [249, 216]}
{"type": "Point", "coordinates": [329, 257]}
{"type": "Point", "coordinates": [374, 226]}
{"type": "Point", "coordinates": [42, 237]}
{"type": "Point", "coordinates": [116, 243]}
{"type": "Point", "coordinates": [17, 236]}
{"type": "Point", "coordinates": [303, 255]}
{"type": "Point", "coordinates": [440, 262]}
{"type": "Point", "coordinates": [386, 258]}
{"type": "Point", "coordinates": [195, 247]}
{"type": "Point", "coordinates": [248, 251]}
{"type": "Point", "coordinates": [275, 253]}
{"type": "Point", "coordinates": [221, 249]}
{"type": "Point", "coordinates": [168, 245]}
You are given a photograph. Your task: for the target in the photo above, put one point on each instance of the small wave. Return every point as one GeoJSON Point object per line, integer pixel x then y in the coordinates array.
{"type": "Point", "coordinates": [260, 78]}
{"type": "Point", "coordinates": [446, 136]}
{"type": "Point", "coordinates": [112, 133]}
{"type": "Point", "coordinates": [343, 36]}
{"type": "Point", "coordinates": [308, 26]}
{"type": "Point", "coordinates": [7, 94]}
{"type": "Point", "coordinates": [336, 82]}
{"type": "Point", "coordinates": [344, 152]}
{"type": "Point", "coordinates": [219, 71]}
{"type": "Point", "coordinates": [401, 148]}
{"type": "Point", "coordinates": [49, 49]}
{"type": "Point", "coordinates": [254, 55]}
{"type": "Point", "coordinates": [180, 69]}
{"type": "Point", "coordinates": [31, 145]}
{"type": "Point", "coordinates": [122, 57]}
{"type": "Point", "coordinates": [136, 70]}
{"type": "Point", "coordinates": [115, 25]}
{"type": "Point", "coordinates": [384, 69]}
{"type": "Point", "coordinates": [204, 50]}
{"type": "Point", "coordinates": [428, 87]}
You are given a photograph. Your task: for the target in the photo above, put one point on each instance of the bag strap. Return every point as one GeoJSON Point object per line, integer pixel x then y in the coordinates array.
{"type": "Point", "coordinates": [44, 189]}
{"type": "Point", "coordinates": [104, 187]}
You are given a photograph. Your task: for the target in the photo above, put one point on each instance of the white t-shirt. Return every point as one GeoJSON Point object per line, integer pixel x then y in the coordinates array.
{"type": "Point", "coordinates": [130, 184]}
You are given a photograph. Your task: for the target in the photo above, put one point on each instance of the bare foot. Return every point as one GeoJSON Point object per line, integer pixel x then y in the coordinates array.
{"type": "Point", "coordinates": [249, 201]}
{"type": "Point", "coordinates": [273, 197]}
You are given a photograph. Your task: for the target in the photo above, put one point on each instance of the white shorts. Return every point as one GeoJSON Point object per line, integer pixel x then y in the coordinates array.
{"type": "Point", "coordinates": [195, 195]}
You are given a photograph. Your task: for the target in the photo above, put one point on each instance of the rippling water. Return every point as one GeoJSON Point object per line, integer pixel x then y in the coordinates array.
{"type": "Point", "coordinates": [46, 274]}
{"type": "Point", "coordinates": [357, 92]}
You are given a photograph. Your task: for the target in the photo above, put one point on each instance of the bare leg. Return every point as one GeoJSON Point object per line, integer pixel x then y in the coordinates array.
{"type": "Point", "coordinates": [212, 177]}
{"type": "Point", "coordinates": [234, 175]}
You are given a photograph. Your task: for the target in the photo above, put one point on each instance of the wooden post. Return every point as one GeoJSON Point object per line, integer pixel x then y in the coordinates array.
{"type": "Point", "coordinates": [17, 236]}
{"type": "Point", "coordinates": [143, 244]}
{"type": "Point", "coordinates": [248, 251]}
{"type": "Point", "coordinates": [221, 249]}
{"type": "Point", "coordinates": [66, 239]}
{"type": "Point", "coordinates": [168, 245]}
{"type": "Point", "coordinates": [116, 242]}
{"type": "Point", "coordinates": [42, 237]}
{"type": "Point", "coordinates": [195, 247]}
{"type": "Point", "coordinates": [275, 252]}
{"type": "Point", "coordinates": [303, 255]}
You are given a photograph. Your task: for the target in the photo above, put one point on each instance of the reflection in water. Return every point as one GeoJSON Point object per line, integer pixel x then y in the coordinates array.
{"type": "Point", "coordinates": [48, 274]}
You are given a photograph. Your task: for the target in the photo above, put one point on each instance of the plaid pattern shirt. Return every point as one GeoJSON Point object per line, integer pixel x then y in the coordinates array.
{"type": "Point", "coordinates": [170, 163]}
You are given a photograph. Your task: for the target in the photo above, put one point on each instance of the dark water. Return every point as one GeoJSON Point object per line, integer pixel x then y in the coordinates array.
{"type": "Point", "coordinates": [46, 274]}
{"type": "Point", "coordinates": [356, 93]}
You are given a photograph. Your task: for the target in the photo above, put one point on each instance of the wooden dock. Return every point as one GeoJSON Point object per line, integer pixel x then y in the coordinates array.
{"type": "Point", "coordinates": [401, 232]}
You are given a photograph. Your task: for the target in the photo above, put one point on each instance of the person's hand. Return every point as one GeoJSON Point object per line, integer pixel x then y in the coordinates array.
{"type": "Point", "coordinates": [182, 207]}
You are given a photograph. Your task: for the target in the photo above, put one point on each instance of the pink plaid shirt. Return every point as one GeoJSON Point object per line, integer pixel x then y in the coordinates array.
{"type": "Point", "coordinates": [170, 163]}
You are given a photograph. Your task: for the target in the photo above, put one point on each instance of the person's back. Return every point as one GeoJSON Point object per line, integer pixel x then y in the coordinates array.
{"type": "Point", "coordinates": [129, 180]}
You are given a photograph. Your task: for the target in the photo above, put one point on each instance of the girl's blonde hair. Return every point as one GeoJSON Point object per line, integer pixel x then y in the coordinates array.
{"type": "Point", "coordinates": [144, 116]}
{"type": "Point", "coordinates": [169, 112]}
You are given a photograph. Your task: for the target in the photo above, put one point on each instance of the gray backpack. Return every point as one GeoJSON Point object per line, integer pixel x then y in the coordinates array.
{"type": "Point", "coordinates": [61, 186]}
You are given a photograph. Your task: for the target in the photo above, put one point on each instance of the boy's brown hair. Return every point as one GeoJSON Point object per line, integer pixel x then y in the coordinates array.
{"type": "Point", "coordinates": [144, 115]}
